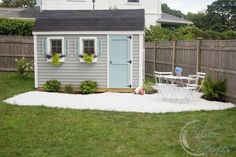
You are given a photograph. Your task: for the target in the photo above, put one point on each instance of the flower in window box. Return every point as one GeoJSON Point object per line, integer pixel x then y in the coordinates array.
{"type": "Point", "coordinates": [88, 57]}
{"type": "Point", "coordinates": [56, 59]}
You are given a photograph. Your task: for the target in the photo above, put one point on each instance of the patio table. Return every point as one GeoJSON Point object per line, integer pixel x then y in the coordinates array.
{"type": "Point", "coordinates": [171, 89]}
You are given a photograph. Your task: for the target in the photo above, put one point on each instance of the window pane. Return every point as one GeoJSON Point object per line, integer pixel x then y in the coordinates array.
{"type": "Point", "coordinates": [91, 43]}
{"type": "Point", "coordinates": [53, 43]}
{"type": "Point", "coordinates": [85, 43]}
{"type": "Point", "coordinates": [133, 1]}
{"type": "Point", "coordinates": [89, 46]}
{"type": "Point", "coordinates": [91, 50]}
{"type": "Point", "coordinates": [56, 46]}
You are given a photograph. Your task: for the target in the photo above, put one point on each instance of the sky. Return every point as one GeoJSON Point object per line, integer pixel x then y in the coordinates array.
{"type": "Point", "coordinates": [188, 5]}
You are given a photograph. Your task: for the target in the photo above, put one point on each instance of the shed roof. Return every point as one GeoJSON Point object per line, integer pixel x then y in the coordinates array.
{"type": "Point", "coordinates": [90, 20]}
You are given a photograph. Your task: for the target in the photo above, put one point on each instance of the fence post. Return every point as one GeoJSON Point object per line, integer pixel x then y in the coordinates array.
{"type": "Point", "coordinates": [174, 56]}
{"type": "Point", "coordinates": [154, 61]}
{"type": "Point", "coordinates": [198, 65]}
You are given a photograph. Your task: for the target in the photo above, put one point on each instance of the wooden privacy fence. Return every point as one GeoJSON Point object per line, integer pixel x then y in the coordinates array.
{"type": "Point", "coordinates": [12, 47]}
{"type": "Point", "coordinates": [215, 57]}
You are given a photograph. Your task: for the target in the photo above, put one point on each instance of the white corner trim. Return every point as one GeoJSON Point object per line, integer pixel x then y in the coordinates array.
{"type": "Point", "coordinates": [88, 32]}
{"type": "Point", "coordinates": [49, 44]}
{"type": "Point", "coordinates": [141, 59]}
{"type": "Point", "coordinates": [35, 63]}
{"type": "Point", "coordinates": [82, 44]}
{"type": "Point", "coordinates": [108, 61]}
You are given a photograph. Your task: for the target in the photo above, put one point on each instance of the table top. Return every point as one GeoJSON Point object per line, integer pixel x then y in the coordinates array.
{"type": "Point", "coordinates": [176, 77]}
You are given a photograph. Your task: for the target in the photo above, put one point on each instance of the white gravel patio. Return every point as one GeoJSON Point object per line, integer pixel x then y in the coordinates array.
{"type": "Point", "coordinates": [122, 102]}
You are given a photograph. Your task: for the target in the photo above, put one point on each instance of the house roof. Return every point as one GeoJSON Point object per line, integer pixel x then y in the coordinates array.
{"type": "Point", "coordinates": [19, 12]}
{"type": "Point", "coordinates": [171, 19]}
{"type": "Point", "coordinates": [90, 20]}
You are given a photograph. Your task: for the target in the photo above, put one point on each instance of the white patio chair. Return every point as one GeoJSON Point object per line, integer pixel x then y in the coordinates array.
{"type": "Point", "coordinates": [158, 76]}
{"type": "Point", "coordinates": [162, 87]}
{"type": "Point", "coordinates": [193, 83]}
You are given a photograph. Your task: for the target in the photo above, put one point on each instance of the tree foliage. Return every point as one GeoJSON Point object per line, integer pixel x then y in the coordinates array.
{"type": "Point", "coordinates": [16, 27]}
{"type": "Point", "coordinates": [157, 33]}
{"type": "Point", "coordinates": [198, 19]}
{"type": "Point", "coordinates": [219, 16]}
{"type": "Point", "coordinates": [18, 3]}
{"type": "Point", "coordinates": [166, 9]}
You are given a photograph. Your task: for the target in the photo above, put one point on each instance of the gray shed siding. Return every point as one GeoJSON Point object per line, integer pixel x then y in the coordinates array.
{"type": "Point", "coordinates": [74, 72]}
{"type": "Point", "coordinates": [135, 71]}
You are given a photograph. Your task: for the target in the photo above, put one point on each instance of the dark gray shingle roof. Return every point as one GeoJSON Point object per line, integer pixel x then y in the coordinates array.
{"type": "Point", "coordinates": [168, 18]}
{"type": "Point", "coordinates": [90, 20]}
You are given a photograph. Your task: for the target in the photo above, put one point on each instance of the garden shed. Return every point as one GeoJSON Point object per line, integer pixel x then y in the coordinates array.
{"type": "Point", "coordinates": [106, 46]}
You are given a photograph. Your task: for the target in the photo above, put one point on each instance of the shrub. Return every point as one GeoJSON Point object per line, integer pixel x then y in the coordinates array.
{"type": "Point", "coordinates": [157, 33]}
{"type": "Point", "coordinates": [24, 66]}
{"type": "Point", "coordinates": [148, 86]}
{"type": "Point", "coordinates": [214, 89]}
{"type": "Point", "coordinates": [88, 87]}
{"type": "Point", "coordinates": [16, 27]}
{"type": "Point", "coordinates": [52, 86]}
{"type": "Point", "coordinates": [56, 59]}
{"type": "Point", "coordinates": [69, 89]}
{"type": "Point", "coordinates": [88, 58]}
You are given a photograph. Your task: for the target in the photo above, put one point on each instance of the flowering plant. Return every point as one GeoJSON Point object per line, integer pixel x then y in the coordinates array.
{"type": "Point", "coordinates": [23, 66]}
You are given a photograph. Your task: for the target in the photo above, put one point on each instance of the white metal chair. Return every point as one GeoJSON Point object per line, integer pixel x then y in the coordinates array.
{"type": "Point", "coordinates": [161, 86]}
{"type": "Point", "coordinates": [158, 76]}
{"type": "Point", "coordinates": [193, 83]}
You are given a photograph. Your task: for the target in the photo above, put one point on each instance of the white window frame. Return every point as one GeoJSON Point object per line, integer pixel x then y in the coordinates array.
{"type": "Point", "coordinates": [139, 2]}
{"type": "Point", "coordinates": [49, 47]}
{"type": "Point", "coordinates": [82, 47]}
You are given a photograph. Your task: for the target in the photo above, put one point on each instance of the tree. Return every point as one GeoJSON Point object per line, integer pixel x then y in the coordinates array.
{"type": "Point", "coordinates": [18, 3]}
{"type": "Point", "coordinates": [221, 15]}
{"type": "Point", "coordinates": [199, 19]}
{"type": "Point", "coordinates": [156, 33]}
{"type": "Point", "coordinates": [166, 9]}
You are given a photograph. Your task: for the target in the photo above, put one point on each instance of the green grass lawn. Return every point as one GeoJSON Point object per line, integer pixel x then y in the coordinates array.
{"type": "Point", "coordinates": [50, 132]}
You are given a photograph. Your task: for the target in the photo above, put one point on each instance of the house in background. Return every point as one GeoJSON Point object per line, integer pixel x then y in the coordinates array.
{"type": "Point", "coordinates": [153, 13]}
{"type": "Point", "coordinates": [114, 37]}
{"type": "Point", "coordinates": [168, 20]}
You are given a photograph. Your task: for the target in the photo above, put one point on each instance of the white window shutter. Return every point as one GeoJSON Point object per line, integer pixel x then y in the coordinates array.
{"type": "Point", "coordinates": [44, 47]}
{"type": "Point", "coordinates": [99, 47]}
{"type": "Point", "coordinates": [77, 46]}
{"type": "Point", "coordinates": [66, 47]}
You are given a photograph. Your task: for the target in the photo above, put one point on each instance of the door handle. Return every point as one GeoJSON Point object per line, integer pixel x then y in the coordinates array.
{"type": "Point", "coordinates": [130, 61]}
{"type": "Point", "coordinates": [110, 62]}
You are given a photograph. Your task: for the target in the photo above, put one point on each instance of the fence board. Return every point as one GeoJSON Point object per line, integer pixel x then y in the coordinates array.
{"type": "Point", "coordinates": [12, 47]}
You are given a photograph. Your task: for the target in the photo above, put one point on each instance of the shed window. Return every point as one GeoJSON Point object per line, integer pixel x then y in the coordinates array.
{"type": "Point", "coordinates": [89, 46]}
{"type": "Point", "coordinates": [133, 1]}
{"type": "Point", "coordinates": [56, 46]}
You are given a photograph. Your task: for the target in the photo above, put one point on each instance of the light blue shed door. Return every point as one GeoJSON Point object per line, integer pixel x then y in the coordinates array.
{"type": "Point", "coordinates": [120, 61]}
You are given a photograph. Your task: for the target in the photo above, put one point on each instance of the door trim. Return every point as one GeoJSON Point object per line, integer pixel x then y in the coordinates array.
{"type": "Point", "coordinates": [131, 57]}
{"type": "Point", "coordinates": [108, 58]}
